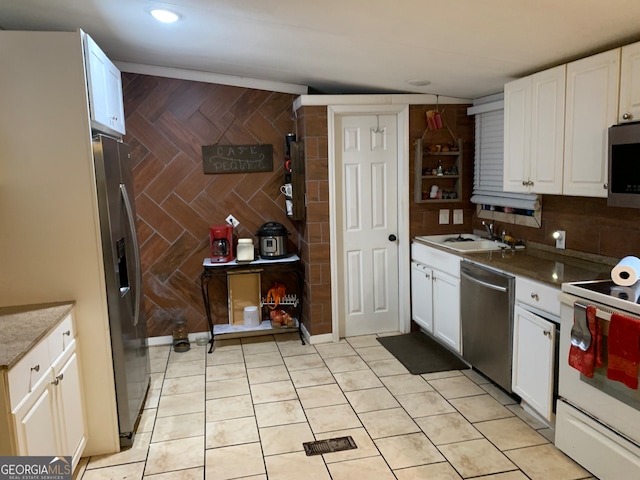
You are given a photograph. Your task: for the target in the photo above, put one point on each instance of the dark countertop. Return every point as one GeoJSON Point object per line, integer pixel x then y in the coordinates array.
{"type": "Point", "coordinates": [541, 263]}
{"type": "Point", "coordinates": [22, 327]}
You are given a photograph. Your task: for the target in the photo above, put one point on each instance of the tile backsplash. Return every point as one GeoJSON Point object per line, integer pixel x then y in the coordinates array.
{"type": "Point", "coordinates": [591, 226]}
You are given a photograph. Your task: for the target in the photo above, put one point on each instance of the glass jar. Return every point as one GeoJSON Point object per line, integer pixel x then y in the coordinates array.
{"type": "Point", "coordinates": [245, 250]}
{"type": "Point", "coordinates": [180, 336]}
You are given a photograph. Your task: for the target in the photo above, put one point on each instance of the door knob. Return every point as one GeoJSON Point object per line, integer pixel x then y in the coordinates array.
{"type": "Point", "coordinates": [627, 116]}
{"type": "Point", "coordinates": [392, 238]}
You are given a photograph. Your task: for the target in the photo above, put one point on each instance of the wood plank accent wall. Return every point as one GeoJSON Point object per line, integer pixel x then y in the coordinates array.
{"type": "Point", "coordinates": [168, 121]}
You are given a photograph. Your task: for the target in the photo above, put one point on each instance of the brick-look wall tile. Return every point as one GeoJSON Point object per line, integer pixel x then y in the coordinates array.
{"type": "Point", "coordinates": [312, 130]}
{"type": "Point", "coordinates": [591, 226]}
{"type": "Point", "coordinates": [314, 232]}
{"type": "Point", "coordinates": [423, 217]}
{"type": "Point", "coordinates": [317, 169]}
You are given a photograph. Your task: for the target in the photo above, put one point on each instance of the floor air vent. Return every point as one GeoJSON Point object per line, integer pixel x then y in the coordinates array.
{"type": "Point", "coordinates": [327, 446]}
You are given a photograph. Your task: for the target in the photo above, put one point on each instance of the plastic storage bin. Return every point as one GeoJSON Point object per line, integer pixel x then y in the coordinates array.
{"type": "Point", "coordinates": [251, 316]}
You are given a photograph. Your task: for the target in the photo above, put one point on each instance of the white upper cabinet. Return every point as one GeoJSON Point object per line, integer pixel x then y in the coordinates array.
{"type": "Point", "coordinates": [592, 107]}
{"type": "Point", "coordinates": [105, 89]}
{"type": "Point", "coordinates": [534, 132]}
{"type": "Point", "coordinates": [517, 135]}
{"type": "Point", "coordinates": [629, 110]}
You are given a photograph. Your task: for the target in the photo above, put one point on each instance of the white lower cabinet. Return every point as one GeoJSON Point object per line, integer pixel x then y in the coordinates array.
{"type": "Point", "coordinates": [533, 374]}
{"type": "Point", "coordinates": [435, 293]}
{"type": "Point", "coordinates": [34, 421]}
{"type": "Point", "coordinates": [68, 400]}
{"type": "Point", "coordinates": [422, 296]}
{"type": "Point", "coordinates": [46, 401]}
{"type": "Point", "coordinates": [446, 309]}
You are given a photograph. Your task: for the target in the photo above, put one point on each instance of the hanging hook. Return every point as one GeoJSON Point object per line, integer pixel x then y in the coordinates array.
{"type": "Point", "coordinates": [377, 129]}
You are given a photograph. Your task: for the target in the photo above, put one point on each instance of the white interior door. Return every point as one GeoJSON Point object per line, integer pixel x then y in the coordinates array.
{"type": "Point", "coordinates": [367, 227]}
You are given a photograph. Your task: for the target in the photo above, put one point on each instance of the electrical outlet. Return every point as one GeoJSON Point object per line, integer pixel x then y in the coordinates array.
{"type": "Point", "coordinates": [444, 216]}
{"type": "Point", "coordinates": [231, 220]}
{"type": "Point", "coordinates": [458, 216]}
{"type": "Point", "coordinates": [561, 238]}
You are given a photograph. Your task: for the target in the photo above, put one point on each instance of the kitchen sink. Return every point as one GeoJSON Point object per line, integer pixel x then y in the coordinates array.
{"type": "Point", "coordinates": [464, 242]}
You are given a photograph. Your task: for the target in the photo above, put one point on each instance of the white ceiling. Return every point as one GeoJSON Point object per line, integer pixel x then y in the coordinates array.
{"type": "Point", "coordinates": [465, 48]}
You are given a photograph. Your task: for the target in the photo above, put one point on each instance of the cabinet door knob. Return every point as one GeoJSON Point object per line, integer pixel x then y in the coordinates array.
{"type": "Point", "coordinates": [427, 276]}
{"type": "Point", "coordinates": [524, 183]}
{"type": "Point", "coordinates": [627, 116]}
{"type": "Point", "coordinates": [67, 333]}
{"type": "Point", "coordinates": [547, 333]}
{"type": "Point", "coordinates": [605, 186]}
{"type": "Point", "coordinates": [535, 296]}
{"type": "Point", "coordinates": [57, 380]}
{"type": "Point", "coordinates": [392, 238]}
{"type": "Point", "coordinates": [36, 368]}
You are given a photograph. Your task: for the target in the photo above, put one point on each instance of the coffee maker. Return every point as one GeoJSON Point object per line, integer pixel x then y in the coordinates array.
{"type": "Point", "coordinates": [221, 243]}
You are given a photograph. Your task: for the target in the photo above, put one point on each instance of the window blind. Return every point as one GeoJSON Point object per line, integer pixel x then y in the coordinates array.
{"type": "Point", "coordinates": [489, 160]}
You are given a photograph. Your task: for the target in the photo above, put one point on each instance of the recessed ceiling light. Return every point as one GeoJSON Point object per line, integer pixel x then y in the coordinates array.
{"type": "Point", "coordinates": [419, 83]}
{"type": "Point", "coordinates": [164, 16]}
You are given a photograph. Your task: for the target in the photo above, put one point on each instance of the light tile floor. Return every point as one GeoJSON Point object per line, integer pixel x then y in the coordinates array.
{"type": "Point", "coordinates": [245, 410]}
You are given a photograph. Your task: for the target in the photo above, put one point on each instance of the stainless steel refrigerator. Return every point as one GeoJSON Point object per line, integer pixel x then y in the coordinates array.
{"type": "Point", "coordinates": [123, 278]}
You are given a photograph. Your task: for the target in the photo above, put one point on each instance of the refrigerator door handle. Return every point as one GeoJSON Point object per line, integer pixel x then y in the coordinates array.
{"type": "Point", "coordinates": [134, 237]}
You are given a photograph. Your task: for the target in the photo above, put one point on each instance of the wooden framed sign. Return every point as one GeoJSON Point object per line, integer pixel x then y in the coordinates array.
{"type": "Point", "coordinates": [237, 158]}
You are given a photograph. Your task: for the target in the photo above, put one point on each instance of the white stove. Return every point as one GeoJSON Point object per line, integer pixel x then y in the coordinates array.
{"type": "Point", "coordinates": [597, 419]}
{"type": "Point", "coordinates": [603, 291]}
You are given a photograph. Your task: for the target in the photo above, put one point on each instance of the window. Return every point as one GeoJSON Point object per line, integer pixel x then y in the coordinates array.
{"type": "Point", "coordinates": [492, 201]}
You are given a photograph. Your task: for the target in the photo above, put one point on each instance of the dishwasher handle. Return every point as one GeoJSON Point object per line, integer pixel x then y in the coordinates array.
{"type": "Point", "coordinates": [484, 284]}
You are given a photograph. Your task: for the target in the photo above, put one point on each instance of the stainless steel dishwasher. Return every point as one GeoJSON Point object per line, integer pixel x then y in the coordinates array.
{"type": "Point", "coordinates": [486, 311]}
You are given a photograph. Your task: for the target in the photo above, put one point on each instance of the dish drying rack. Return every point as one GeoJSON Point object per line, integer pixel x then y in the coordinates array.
{"type": "Point", "coordinates": [288, 300]}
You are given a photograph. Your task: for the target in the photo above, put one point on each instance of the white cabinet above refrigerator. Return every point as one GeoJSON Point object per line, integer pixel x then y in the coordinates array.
{"type": "Point", "coordinates": [104, 84]}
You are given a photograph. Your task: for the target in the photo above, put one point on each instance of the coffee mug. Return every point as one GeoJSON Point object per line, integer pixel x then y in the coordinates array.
{"type": "Point", "coordinates": [286, 189]}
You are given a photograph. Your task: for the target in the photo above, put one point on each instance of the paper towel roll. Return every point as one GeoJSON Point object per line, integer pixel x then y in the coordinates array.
{"type": "Point", "coordinates": [631, 293]}
{"type": "Point", "coordinates": [626, 272]}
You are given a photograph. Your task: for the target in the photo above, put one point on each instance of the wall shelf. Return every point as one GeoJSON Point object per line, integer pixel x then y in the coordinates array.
{"type": "Point", "coordinates": [448, 185]}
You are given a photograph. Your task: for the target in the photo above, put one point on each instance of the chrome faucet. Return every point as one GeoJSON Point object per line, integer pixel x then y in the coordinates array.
{"type": "Point", "coordinates": [489, 228]}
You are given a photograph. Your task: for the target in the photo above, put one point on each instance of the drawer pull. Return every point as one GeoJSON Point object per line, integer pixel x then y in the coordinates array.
{"type": "Point", "coordinates": [547, 333]}
{"type": "Point", "coordinates": [535, 296]}
{"type": "Point", "coordinates": [36, 368]}
{"type": "Point", "coordinates": [68, 332]}
{"type": "Point", "coordinates": [57, 380]}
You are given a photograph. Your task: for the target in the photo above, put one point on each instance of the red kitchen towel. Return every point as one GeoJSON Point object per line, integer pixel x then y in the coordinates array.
{"type": "Point", "coordinates": [624, 350]}
{"type": "Point", "coordinates": [599, 347]}
{"type": "Point", "coordinates": [585, 361]}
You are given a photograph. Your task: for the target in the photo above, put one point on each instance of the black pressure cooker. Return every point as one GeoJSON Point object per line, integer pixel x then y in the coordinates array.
{"type": "Point", "coordinates": [272, 238]}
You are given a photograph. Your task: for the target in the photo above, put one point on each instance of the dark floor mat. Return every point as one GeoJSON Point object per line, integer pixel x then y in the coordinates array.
{"type": "Point", "coordinates": [327, 446]}
{"type": "Point", "coordinates": [421, 354]}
